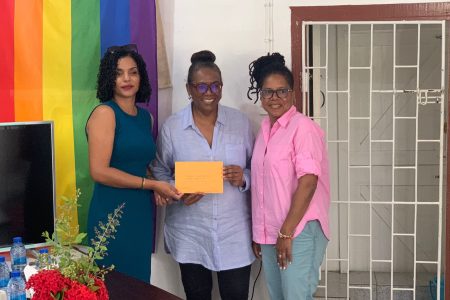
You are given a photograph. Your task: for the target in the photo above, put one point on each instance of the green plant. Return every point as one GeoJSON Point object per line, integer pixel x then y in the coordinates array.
{"type": "Point", "coordinates": [72, 265]}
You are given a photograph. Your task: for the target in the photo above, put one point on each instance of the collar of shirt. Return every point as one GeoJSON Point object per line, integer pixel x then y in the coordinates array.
{"type": "Point", "coordinates": [282, 121]}
{"type": "Point", "coordinates": [188, 120]}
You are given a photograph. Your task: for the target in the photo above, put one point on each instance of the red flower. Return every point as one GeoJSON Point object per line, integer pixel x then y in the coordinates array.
{"type": "Point", "coordinates": [102, 292]}
{"type": "Point", "coordinates": [79, 291]}
{"type": "Point", "coordinates": [50, 282]}
{"type": "Point", "coordinates": [47, 282]}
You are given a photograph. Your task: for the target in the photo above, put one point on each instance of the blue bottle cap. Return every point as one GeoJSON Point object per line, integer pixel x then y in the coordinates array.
{"type": "Point", "coordinates": [43, 250]}
{"type": "Point", "coordinates": [17, 240]}
{"type": "Point", "coordinates": [15, 274]}
{"type": "Point", "coordinates": [2, 259]}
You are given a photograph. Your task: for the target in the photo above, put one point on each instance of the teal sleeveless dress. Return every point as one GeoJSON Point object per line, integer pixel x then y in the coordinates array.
{"type": "Point", "coordinates": [133, 149]}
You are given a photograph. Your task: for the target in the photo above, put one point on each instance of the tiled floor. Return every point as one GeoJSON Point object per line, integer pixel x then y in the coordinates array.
{"type": "Point", "coordinates": [337, 286]}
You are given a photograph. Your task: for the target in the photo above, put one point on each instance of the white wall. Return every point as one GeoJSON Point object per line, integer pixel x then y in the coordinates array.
{"type": "Point", "coordinates": [234, 30]}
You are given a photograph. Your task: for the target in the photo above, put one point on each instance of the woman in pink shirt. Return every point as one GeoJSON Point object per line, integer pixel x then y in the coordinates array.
{"type": "Point", "coordinates": [290, 185]}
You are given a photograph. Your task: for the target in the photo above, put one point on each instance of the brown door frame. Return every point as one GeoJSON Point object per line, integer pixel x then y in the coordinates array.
{"type": "Point", "coordinates": [389, 12]}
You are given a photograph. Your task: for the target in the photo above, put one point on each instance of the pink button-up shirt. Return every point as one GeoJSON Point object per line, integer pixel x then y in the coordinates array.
{"type": "Point", "coordinates": [294, 146]}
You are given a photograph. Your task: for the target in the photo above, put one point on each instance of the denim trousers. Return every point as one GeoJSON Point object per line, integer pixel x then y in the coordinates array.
{"type": "Point", "coordinates": [299, 281]}
{"type": "Point", "coordinates": [197, 282]}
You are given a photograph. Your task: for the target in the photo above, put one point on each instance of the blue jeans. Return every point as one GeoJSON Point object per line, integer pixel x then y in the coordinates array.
{"type": "Point", "coordinates": [299, 281]}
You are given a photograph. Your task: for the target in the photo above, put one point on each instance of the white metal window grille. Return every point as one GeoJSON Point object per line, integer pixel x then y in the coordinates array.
{"type": "Point", "coordinates": [378, 90]}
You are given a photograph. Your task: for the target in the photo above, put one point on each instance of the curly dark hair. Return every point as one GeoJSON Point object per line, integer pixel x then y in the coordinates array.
{"type": "Point", "coordinates": [202, 59]}
{"type": "Point", "coordinates": [107, 73]}
{"type": "Point", "coordinates": [264, 66]}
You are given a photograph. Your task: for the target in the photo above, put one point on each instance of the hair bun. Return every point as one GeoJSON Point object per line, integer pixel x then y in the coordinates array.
{"type": "Point", "coordinates": [274, 59]}
{"type": "Point", "coordinates": [277, 58]}
{"type": "Point", "coordinates": [203, 56]}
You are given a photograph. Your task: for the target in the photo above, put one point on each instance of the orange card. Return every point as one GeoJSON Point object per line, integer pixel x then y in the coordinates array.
{"type": "Point", "coordinates": [199, 177]}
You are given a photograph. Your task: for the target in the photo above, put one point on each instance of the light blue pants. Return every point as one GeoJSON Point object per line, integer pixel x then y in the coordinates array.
{"type": "Point", "coordinates": [299, 281]}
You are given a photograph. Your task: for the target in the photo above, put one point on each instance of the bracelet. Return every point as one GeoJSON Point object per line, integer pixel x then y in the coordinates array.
{"type": "Point", "coordinates": [142, 183]}
{"type": "Point", "coordinates": [284, 236]}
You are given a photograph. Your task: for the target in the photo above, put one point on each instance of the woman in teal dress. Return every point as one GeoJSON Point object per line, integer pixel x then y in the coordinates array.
{"type": "Point", "coordinates": [120, 149]}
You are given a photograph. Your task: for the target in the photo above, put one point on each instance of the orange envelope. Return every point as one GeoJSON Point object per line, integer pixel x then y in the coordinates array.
{"type": "Point", "coordinates": [199, 177]}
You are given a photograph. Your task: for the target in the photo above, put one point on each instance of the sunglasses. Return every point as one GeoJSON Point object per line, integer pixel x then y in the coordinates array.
{"type": "Point", "coordinates": [129, 47]}
{"type": "Point", "coordinates": [267, 94]}
{"type": "Point", "coordinates": [203, 87]}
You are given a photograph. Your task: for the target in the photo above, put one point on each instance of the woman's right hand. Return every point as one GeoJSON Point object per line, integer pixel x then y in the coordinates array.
{"type": "Point", "coordinates": [166, 191]}
{"type": "Point", "coordinates": [162, 201]}
{"type": "Point", "coordinates": [256, 250]}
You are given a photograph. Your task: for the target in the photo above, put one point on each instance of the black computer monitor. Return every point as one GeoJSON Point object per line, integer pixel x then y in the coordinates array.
{"type": "Point", "coordinates": [27, 182]}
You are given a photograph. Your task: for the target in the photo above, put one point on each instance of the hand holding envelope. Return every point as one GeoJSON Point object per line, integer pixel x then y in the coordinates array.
{"type": "Point", "coordinates": [165, 192]}
{"type": "Point", "coordinates": [234, 174]}
{"type": "Point", "coordinates": [190, 199]}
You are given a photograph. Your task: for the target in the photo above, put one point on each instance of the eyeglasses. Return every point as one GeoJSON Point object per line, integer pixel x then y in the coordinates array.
{"type": "Point", "coordinates": [203, 87]}
{"type": "Point", "coordinates": [267, 94]}
{"type": "Point", "coordinates": [129, 47]}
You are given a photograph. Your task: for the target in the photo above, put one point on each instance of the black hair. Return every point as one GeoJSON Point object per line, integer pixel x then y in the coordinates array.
{"type": "Point", "coordinates": [107, 74]}
{"type": "Point", "coordinates": [202, 59]}
{"type": "Point", "coordinates": [264, 66]}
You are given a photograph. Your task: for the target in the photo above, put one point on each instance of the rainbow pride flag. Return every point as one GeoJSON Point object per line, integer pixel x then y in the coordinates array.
{"type": "Point", "coordinates": [49, 56]}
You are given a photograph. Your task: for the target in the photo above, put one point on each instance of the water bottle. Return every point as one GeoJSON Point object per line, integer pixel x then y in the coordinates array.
{"type": "Point", "coordinates": [16, 287]}
{"type": "Point", "coordinates": [4, 273]}
{"type": "Point", "coordinates": [18, 255]}
{"type": "Point", "coordinates": [43, 259]}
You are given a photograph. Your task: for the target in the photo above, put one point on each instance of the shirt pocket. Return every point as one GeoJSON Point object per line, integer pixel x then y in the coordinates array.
{"type": "Point", "coordinates": [235, 155]}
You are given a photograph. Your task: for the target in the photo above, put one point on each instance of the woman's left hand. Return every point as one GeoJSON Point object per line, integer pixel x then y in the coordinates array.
{"type": "Point", "coordinates": [284, 252]}
{"type": "Point", "coordinates": [234, 174]}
